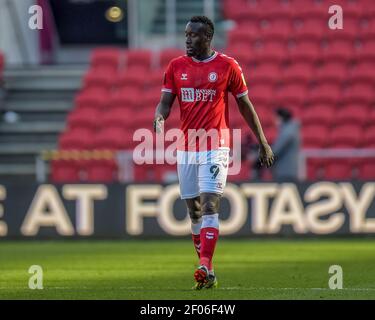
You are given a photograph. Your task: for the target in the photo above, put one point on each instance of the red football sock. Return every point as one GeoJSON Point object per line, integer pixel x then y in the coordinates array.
{"type": "Point", "coordinates": [208, 236]}
{"type": "Point", "coordinates": [197, 243]}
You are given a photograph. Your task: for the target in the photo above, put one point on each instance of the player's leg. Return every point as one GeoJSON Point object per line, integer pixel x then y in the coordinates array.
{"type": "Point", "coordinates": [195, 213]}
{"type": "Point", "coordinates": [194, 209]}
{"type": "Point", "coordinates": [187, 170]}
{"type": "Point", "coordinates": [210, 205]}
{"type": "Point", "coordinates": [212, 176]}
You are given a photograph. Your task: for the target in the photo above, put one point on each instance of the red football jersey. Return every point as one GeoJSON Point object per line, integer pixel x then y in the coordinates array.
{"type": "Point", "coordinates": [202, 90]}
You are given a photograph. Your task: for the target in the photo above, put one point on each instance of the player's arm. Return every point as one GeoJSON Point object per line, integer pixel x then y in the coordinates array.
{"type": "Point", "coordinates": [163, 110]}
{"type": "Point", "coordinates": [246, 108]}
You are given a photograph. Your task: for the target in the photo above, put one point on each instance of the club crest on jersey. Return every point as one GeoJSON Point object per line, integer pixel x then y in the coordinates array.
{"type": "Point", "coordinates": [212, 77]}
{"type": "Point", "coordinates": [184, 76]}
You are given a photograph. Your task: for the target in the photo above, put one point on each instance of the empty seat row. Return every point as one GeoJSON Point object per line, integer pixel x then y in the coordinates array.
{"type": "Point", "coordinates": [141, 59]}
{"type": "Point", "coordinates": [247, 52]}
{"type": "Point", "coordinates": [243, 10]}
{"type": "Point", "coordinates": [108, 171]}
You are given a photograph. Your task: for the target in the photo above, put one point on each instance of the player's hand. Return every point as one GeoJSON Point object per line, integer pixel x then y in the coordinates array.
{"type": "Point", "coordinates": [158, 124]}
{"type": "Point", "coordinates": [266, 156]}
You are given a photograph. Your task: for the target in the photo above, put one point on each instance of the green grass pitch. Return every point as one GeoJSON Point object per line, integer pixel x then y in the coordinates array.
{"type": "Point", "coordinates": [163, 269]}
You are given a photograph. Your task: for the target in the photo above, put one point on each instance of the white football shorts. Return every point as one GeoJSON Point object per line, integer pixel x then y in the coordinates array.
{"type": "Point", "coordinates": [204, 171]}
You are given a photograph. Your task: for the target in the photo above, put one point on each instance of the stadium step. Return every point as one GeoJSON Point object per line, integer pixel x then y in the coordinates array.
{"type": "Point", "coordinates": [29, 138]}
{"type": "Point", "coordinates": [32, 127]}
{"type": "Point", "coordinates": [39, 106]}
{"type": "Point", "coordinates": [40, 98]}
{"type": "Point", "coordinates": [17, 169]}
{"type": "Point", "coordinates": [24, 148]}
{"type": "Point", "coordinates": [44, 79]}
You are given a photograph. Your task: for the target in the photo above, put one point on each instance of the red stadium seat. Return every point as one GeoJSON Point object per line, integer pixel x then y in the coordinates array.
{"type": "Point", "coordinates": [272, 10]}
{"type": "Point", "coordinates": [155, 80]}
{"type": "Point", "coordinates": [76, 139]}
{"type": "Point", "coordinates": [300, 72]}
{"type": "Point", "coordinates": [314, 169]}
{"type": "Point", "coordinates": [273, 51]}
{"type": "Point", "coordinates": [243, 53]}
{"type": "Point", "coordinates": [368, 11]}
{"type": "Point", "coordinates": [118, 117]}
{"type": "Point", "coordinates": [156, 173]}
{"type": "Point", "coordinates": [145, 173]}
{"type": "Point", "coordinates": [135, 78]}
{"type": "Point", "coordinates": [101, 78]}
{"type": "Point", "coordinates": [261, 94]}
{"type": "Point", "coordinates": [366, 52]}
{"type": "Point", "coordinates": [271, 133]}
{"type": "Point", "coordinates": [349, 32]}
{"type": "Point", "coordinates": [110, 139]}
{"type": "Point", "coordinates": [242, 35]}
{"type": "Point", "coordinates": [305, 51]}
{"type": "Point", "coordinates": [369, 136]}
{"type": "Point", "coordinates": [315, 136]}
{"type": "Point", "coordinates": [363, 72]}
{"type": "Point", "coordinates": [126, 99]}
{"type": "Point", "coordinates": [359, 93]}
{"type": "Point", "coordinates": [167, 55]}
{"type": "Point", "coordinates": [266, 117]}
{"type": "Point", "coordinates": [84, 118]}
{"type": "Point", "coordinates": [151, 98]}
{"type": "Point", "coordinates": [64, 171]}
{"type": "Point", "coordinates": [309, 9]}
{"type": "Point", "coordinates": [339, 50]}
{"type": "Point", "coordinates": [244, 175]}
{"type": "Point", "coordinates": [310, 29]}
{"type": "Point", "coordinates": [349, 114]}
{"type": "Point", "coordinates": [276, 29]}
{"type": "Point", "coordinates": [266, 72]}
{"type": "Point", "coordinates": [318, 114]}
{"type": "Point", "coordinates": [371, 116]}
{"type": "Point", "coordinates": [245, 13]}
{"type": "Point", "coordinates": [230, 7]}
{"type": "Point", "coordinates": [138, 57]}
{"type": "Point", "coordinates": [367, 29]}
{"type": "Point", "coordinates": [107, 58]}
{"type": "Point", "coordinates": [101, 170]}
{"type": "Point", "coordinates": [328, 93]}
{"type": "Point", "coordinates": [294, 93]}
{"type": "Point", "coordinates": [338, 169]}
{"type": "Point", "coordinates": [345, 136]}
{"type": "Point", "coordinates": [331, 72]}
{"type": "Point", "coordinates": [91, 100]}
{"type": "Point", "coordinates": [367, 169]}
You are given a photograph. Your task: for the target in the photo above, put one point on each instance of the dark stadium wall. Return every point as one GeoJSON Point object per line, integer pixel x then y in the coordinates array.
{"type": "Point", "coordinates": [85, 23]}
{"type": "Point", "coordinates": [153, 210]}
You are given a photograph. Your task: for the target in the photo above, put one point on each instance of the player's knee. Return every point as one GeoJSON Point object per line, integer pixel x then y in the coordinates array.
{"type": "Point", "coordinates": [195, 215]}
{"type": "Point", "coordinates": [210, 207]}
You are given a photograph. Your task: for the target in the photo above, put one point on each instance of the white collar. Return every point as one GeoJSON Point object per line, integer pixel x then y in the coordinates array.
{"type": "Point", "coordinates": [206, 60]}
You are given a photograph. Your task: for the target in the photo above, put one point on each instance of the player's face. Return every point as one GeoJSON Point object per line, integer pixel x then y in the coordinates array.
{"type": "Point", "coordinates": [197, 41]}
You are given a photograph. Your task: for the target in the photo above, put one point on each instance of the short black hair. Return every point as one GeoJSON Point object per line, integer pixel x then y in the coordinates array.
{"type": "Point", "coordinates": [207, 22]}
{"type": "Point", "coordinates": [284, 114]}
